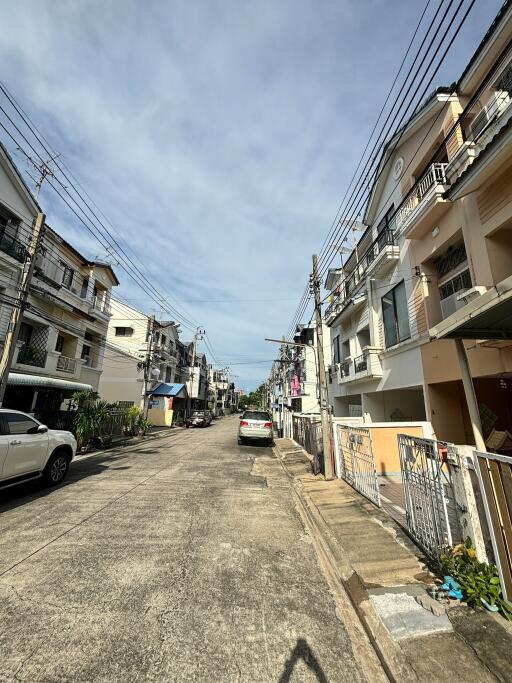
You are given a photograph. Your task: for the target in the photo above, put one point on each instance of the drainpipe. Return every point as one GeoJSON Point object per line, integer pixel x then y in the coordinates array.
{"type": "Point", "coordinates": [469, 391]}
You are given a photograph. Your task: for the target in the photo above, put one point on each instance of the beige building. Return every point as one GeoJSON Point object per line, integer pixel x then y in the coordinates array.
{"type": "Point", "coordinates": [138, 346]}
{"type": "Point", "coordinates": [62, 338]}
{"type": "Point", "coordinates": [435, 264]}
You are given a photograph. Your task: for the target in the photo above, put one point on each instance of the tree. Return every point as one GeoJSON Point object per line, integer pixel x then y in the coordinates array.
{"type": "Point", "coordinates": [255, 398]}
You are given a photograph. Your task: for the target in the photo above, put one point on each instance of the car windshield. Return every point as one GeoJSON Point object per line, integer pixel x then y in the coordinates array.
{"type": "Point", "coordinates": [256, 415]}
{"type": "Point", "coordinates": [198, 413]}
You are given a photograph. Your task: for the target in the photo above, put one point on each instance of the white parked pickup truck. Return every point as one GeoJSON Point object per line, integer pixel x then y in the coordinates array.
{"type": "Point", "coordinates": [29, 450]}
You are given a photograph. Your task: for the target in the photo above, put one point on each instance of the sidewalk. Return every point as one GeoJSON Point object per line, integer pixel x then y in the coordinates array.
{"type": "Point", "coordinates": [382, 571]}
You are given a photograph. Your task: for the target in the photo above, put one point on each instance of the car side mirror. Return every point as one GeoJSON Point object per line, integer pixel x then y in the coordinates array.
{"type": "Point", "coordinates": [42, 429]}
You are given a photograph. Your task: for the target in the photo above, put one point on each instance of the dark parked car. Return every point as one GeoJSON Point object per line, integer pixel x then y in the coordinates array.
{"type": "Point", "coordinates": [199, 418]}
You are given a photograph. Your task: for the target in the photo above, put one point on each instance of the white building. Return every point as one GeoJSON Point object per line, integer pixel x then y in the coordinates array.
{"type": "Point", "coordinates": [138, 345]}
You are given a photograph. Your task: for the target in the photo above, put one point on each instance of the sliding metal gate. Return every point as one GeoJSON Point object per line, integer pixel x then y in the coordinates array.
{"type": "Point", "coordinates": [357, 461]}
{"type": "Point", "coordinates": [428, 492]}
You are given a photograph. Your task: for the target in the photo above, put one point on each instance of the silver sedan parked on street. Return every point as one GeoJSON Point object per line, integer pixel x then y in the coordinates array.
{"type": "Point", "coordinates": [255, 424]}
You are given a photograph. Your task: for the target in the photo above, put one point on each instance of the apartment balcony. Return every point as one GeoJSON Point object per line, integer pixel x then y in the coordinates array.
{"type": "Point", "coordinates": [363, 367]}
{"type": "Point", "coordinates": [100, 307]}
{"type": "Point", "coordinates": [65, 364]}
{"type": "Point", "coordinates": [381, 255]}
{"type": "Point", "coordinates": [12, 247]}
{"type": "Point", "coordinates": [36, 358]}
{"type": "Point", "coordinates": [425, 204]}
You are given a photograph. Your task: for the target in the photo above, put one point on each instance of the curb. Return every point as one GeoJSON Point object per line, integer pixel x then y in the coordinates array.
{"type": "Point", "coordinates": [389, 653]}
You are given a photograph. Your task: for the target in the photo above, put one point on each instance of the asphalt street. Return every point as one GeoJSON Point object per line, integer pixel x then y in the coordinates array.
{"type": "Point", "coordinates": [178, 559]}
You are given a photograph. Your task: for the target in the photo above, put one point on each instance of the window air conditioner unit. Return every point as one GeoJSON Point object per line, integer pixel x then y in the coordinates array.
{"type": "Point", "coordinates": [496, 105]}
{"type": "Point", "coordinates": [469, 294]}
{"type": "Point", "coordinates": [451, 304]}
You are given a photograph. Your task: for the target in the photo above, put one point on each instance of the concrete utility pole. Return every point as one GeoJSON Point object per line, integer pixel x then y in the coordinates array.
{"type": "Point", "coordinates": [324, 403]}
{"type": "Point", "coordinates": [147, 365]}
{"type": "Point", "coordinates": [17, 312]}
{"type": "Point", "coordinates": [197, 335]}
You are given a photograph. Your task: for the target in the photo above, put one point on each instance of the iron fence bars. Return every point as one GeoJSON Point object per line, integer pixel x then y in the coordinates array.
{"type": "Point", "coordinates": [495, 477]}
{"type": "Point", "coordinates": [357, 461]}
{"type": "Point", "coordinates": [429, 501]}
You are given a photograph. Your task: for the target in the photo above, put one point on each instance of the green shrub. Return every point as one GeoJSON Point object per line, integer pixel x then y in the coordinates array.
{"type": "Point", "coordinates": [479, 581]}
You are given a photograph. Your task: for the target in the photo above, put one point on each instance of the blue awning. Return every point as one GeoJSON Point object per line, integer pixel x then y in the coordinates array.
{"type": "Point", "coordinates": [164, 389]}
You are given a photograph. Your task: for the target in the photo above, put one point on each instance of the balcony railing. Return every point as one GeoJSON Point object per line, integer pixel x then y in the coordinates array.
{"type": "Point", "coordinates": [28, 355]}
{"type": "Point", "coordinates": [345, 368]}
{"type": "Point", "coordinates": [436, 175]}
{"type": "Point", "coordinates": [66, 364]}
{"type": "Point", "coordinates": [99, 304]}
{"type": "Point", "coordinates": [13, 247]}
{"type": "Point", "coordinates": [361, 363]}
{"type": "Point", "coordinates": [384, 239]}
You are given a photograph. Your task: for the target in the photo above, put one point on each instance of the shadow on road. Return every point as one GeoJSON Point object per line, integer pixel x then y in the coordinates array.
{"type": "Point", "coordinates": [304, 652]}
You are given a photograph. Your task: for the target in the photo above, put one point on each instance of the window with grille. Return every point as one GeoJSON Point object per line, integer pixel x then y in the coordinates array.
{"type": "Point", "coordinates": [460, 282]}
{"type": "Point", "coordinates": [452, 258]}
{"type": "Point", "coordinates": [67, 275]}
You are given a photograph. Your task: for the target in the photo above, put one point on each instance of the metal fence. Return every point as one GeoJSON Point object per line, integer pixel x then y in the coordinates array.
{"type": "Point", "coordinates": [307, 431]}
{"type": "Point", "coordinates": [495, 476]}
{"type": "Point", "coordinates": [429, 499]}
{"type": "Point", "coordinates": [357, 461]}
{"type": "Point", "coordinates": [112, 427]}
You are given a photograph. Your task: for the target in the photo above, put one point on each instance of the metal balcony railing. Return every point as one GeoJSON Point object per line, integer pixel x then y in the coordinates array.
{"type": "Point", "coordinates": [99, 304]}
{"type": "Point", "coordinates": [13, 247]}
{"type": "Point", "coordinates": [384, 239]}
{"type": "Point", "coordinates": [28, 355]}
{"type": "Point", "coordinates": [436, 175]}
{"type": "Point", "coordinates": [66, 364]}
{"type": "Point", "coordinates": [361, 363]}
{"type": "Point", "coordinates": [345, 368]}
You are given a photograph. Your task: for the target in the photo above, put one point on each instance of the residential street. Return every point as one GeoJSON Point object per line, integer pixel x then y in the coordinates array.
{"type": "Point", "coordinates": [181, 559]}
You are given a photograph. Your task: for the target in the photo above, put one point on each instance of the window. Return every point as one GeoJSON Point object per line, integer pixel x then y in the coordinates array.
{"type": "Point", "coordinates": [453, 257]}
{"type": "Point", "coordinates": [123, 331]}
{"type": "Point", "coordinates": [85, 287]}
{"type": "Point", "coordinates": [60, 343]}
{"type": "Point", "coordinates": [164, 340]}
{"type": "Point", "coordinates": [458, 283]}
{"type": "Point", "coordinates": [86, 352]}
{"type": "Point", "coordinates": [17, 423]}
{"type": "Point", "coordinates": [388, 221]}
{"type": "Point", "coordinates": [67, 275]}
{"type": "Point", "coordinates": [336, 348]}
{"type": "Point", "coordinates": [395, 315]}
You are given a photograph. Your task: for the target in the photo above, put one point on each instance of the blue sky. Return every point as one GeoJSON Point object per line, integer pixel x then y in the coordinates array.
{"type": "Point", "coordinates": [217, 136]}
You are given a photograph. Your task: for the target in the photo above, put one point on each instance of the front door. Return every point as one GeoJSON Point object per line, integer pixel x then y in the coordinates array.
{"type": "Point", "coordinates": [27, 448]}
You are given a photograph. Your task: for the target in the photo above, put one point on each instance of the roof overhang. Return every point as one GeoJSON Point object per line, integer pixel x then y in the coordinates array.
{"type": "Point", "coordinates": [20, 379]}
{"type": "Point", "coordinates": [495, 157]}
{"type": "Point", "coordinates": [487, 317]}
{"type": "Point", "coordinates": [419, 119]}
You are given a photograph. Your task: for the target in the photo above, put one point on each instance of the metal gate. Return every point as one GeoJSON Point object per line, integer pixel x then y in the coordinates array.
{"type": "Point", "coordinates": [429, 501]}
{"type": "Point", "coordinates": [357, 461]}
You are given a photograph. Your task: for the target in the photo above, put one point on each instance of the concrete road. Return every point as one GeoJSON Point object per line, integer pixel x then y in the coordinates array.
{"type": "Point", "coordinates": [181, 559]}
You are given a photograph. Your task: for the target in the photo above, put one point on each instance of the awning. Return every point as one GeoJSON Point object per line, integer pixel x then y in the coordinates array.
{"type": "Point", "coordinates": [489, 316]}
{"type": "Point", "coordinates": [164, 389]}
{"type": "Point", "coordinates": [19, 379]}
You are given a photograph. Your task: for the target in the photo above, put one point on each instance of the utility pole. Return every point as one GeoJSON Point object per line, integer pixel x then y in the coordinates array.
{"type": "Point", "coordinates": [324, 402]}
{"type": "Point", "coordinates": [197, 335]}
{"type": "Point", "coordinates": [148, 364]}
{"type": "Point", "coordinates": [17, 312]}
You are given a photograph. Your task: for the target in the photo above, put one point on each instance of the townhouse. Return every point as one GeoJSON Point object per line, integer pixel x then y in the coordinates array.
{"type": "Point", "coordinates": [434, 265]}
{"type": "Point", "coordinates": [218, 390]}
{"type": "Point", "coordinates": [61, 343]}
{"type": "Point", "coordinates": [142, 353]}
{"type": "Point", "coordinates": [195, 376]}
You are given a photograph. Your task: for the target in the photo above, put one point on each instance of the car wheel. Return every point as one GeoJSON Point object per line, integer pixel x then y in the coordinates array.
{"type": "Point", "coordinates": [56, 469]}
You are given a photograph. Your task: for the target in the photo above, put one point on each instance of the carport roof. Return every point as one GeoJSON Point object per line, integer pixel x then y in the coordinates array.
{"type": "Point", "coordinates": [164, 389]}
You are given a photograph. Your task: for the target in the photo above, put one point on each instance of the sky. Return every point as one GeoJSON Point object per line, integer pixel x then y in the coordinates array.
{"type": "Point", "coordinates": [217, 136]}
